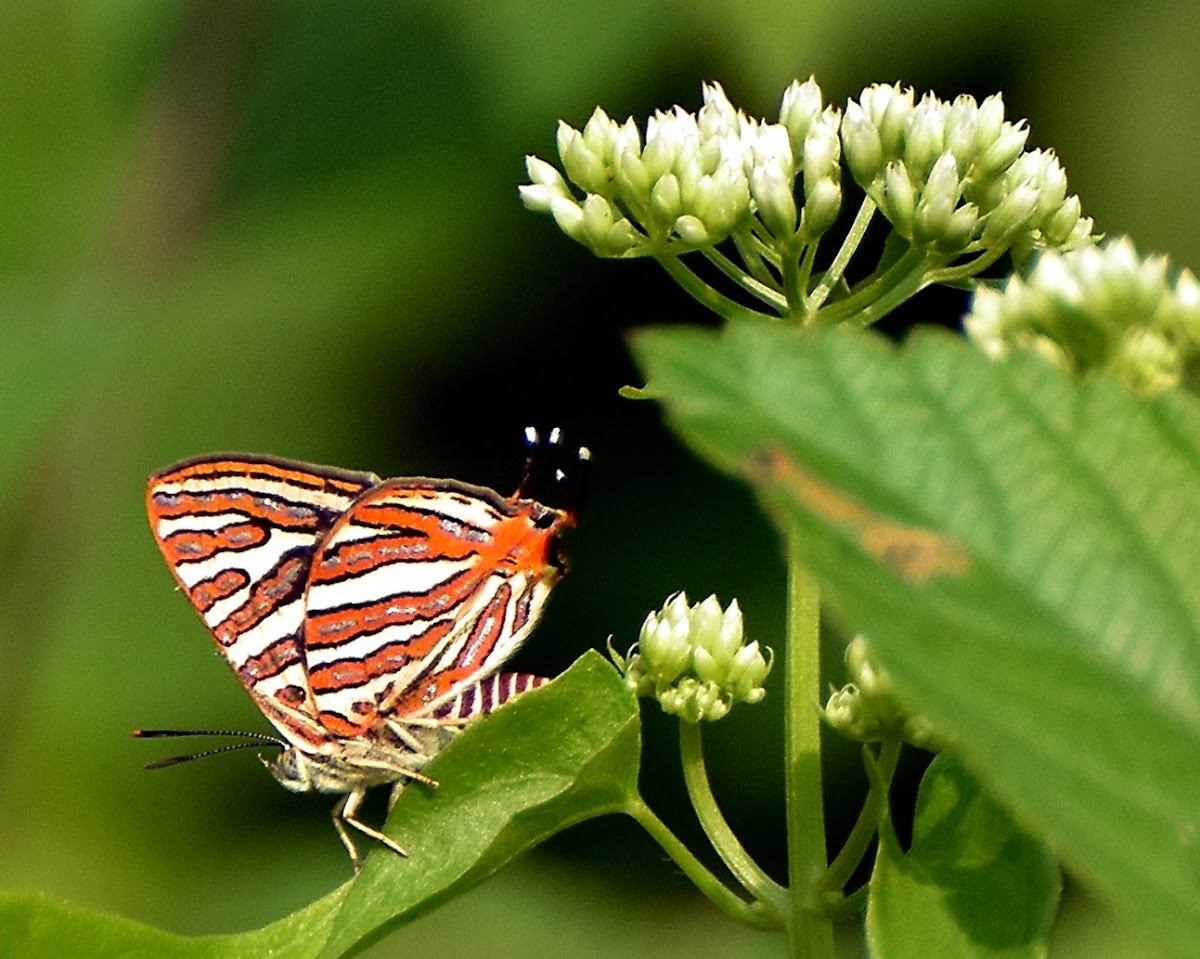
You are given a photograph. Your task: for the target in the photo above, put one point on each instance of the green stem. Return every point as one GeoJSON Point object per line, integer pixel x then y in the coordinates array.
{"type": "Point", "coordinates": [727, 845]}
{"type": "Point", "coordinates": [792, 284]}
{"type": "Point", "coordinates": [810, 933]}
{"type": "Point", "coordinates": [855, 847]}
{"type": "Point", "coordinates": [804, 273]}
{"type": "Point", "coordinates": [748, 249]}
{"type": "Point", "coordinates": [854, 236]}
{"type": "Point", "coordinates": [965, 271]}
{"type": "Point", "coordinates": [756, 914]}
{"type": "Point", "coordinates": [699, 290]}
{"type": "Point", "coordinates": [874, 287]}
{"type": "Point", "coordinates": [772, 297]}
{"type": "Point", "coordinates": [850, 906]}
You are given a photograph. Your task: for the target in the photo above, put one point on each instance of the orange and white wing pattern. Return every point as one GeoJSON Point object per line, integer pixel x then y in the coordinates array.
{"type": "Point", "coordinates": [359, 613]}
{"type": "Point", "coordinates": [239, 534]}
{"type": "Point", "coordinates": [421, 589]}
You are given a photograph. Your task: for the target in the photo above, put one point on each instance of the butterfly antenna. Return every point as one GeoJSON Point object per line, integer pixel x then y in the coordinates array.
{"type": "Point", "coordinates": [532, 444]}
{"type": "Point", "coordinates": [573, 482]}
{"type": "Point", "coordinates": [256, 740]}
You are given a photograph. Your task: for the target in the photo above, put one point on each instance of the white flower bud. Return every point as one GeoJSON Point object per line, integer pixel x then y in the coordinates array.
{"type": "Point", "coordinates": [584, 168]}
{"type": "Point", "coordinates": [545, 174]}
{"type": "Point", "coordinates": [717, 114]}
{"type": "Point", "coordinates": [862, 146]}
{"type": "Point", "coordinates": [898, 201]}
{"type": "Point", "coordinates": [538, 198]}
{"type": "Point", "coordinates": [1059, 227]}
{"type": "Point", "coordinates": [691, 659]}
{"type": "Point", "coordinates": [1003, 151]}
{"type": "Point", "coordinates": [802, 104]}
{"type": "Point", "coordinates": [1100, 308]}
{"type": "Point", "coordinates": [568, 215]}
{"type": "Point", "coordinates": [631, 178]}
{"type": "Point", "coordinates": [600, 134]}
{"type": "Point", "coordinates": [989, 122]}
{"type": "Point", "coordinates": [962, 128]}
{"type": "Point", "coordinates": [822, 151]}
{"type": "Point", "coordinates": [665, 198]}
{"type": "Point", "coordinates": [926, 137]}
{"type": "Point", "coordinates": [772, 148]}
{"type": "Point", "coordinates": [820, 209]}
{"type": "Point", "coordinates": [773, 197]}
{"type": "Point", "coordinates": [1012, 215]}
{"type": "Point", "coordinates": [692, 230]}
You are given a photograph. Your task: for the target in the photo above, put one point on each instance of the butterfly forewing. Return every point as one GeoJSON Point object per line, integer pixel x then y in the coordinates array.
{"type": "Point", "coordinates": [422, 588]}
{"type": "Point", "coordinates": [239, 535]}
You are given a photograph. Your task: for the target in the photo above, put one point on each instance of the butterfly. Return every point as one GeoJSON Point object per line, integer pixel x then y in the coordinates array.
{"type": "Point", "coordinates": [367, 618]}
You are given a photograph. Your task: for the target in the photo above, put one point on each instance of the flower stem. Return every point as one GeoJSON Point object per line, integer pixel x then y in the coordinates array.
{"type": "Point", "coordinates": [793, 283]}
{"type": "Point", "coordinates": [855, 847]}
{"type": "Point", "coordinates": [757, 914]}
{"type": "Point", "coordinates": [908, 286]}
{"type": "Point", "coordinates": [773, 298]}
{"type": "Point", "coordinates": [720, 304]}
{"type": "Point", "coordinates": [810, 933]}
{"type": "Point", "coordinates": [727, 845]}
{"type": "Point", "coordinates": [854, 236]}
{"type": "Point", "coordinates": [804, 274]}
{"type": "Point", "coordinates": [964, 271]}
{"type": "Point", "coordinates": [748, 249]}
{"type": "Point", "coordinates": [872, 289]}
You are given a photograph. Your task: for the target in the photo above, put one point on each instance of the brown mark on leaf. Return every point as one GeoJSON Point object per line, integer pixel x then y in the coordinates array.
{"type": "Point", "coordinates": [912, 552]}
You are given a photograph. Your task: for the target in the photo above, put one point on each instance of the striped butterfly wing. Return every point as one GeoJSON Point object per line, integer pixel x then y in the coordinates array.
{"type": "Point", "coordinates": [482, 696]}
{"type": "Point", "coordinates": [239, 534]}
{"type": "Point", "coordinates": [419, 593]}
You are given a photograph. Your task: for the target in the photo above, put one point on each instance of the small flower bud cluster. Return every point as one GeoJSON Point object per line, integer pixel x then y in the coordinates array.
{"type": "Point", "coordinates": [866, 708]}
{"type": "Point", "coordinates": [954, 177]}
{"type": "Point", "coordinates": [1100, 307]}
{"type": "Point", "coordinates": [697, 179]}
{"type": "Point", "coordinates": [693, 660]}
{"type": "Point", "coordinates": [812, 131]}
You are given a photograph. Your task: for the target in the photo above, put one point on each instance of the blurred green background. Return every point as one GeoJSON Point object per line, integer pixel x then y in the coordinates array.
{"type": "Point", "coordinates": [293, 228]}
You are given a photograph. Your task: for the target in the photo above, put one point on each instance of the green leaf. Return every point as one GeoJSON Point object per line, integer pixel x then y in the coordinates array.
{"type": "Point", "coordinates": [1021, 550]}
{"type": "Point", "coordinates": [574, 758]}
{"type": "Point", "coordinates": [973, 885]}
{"type": "Point", "coordinates": [555, 756]}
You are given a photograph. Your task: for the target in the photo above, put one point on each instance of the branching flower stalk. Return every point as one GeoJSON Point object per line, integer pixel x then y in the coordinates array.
{"type": "Point", "coordinates": [694, 661]}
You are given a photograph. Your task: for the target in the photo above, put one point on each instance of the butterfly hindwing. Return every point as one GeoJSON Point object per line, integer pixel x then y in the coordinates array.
{"type": "Point", "coordinates": [421, 589]}
{"type": "Point", "coordinates": [239, 534]}
{"type": "Point", "coordinates": [481, 697]}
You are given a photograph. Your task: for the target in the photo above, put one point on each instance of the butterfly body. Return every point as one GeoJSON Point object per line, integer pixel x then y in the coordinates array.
{"type": "Point", "coordinates": [368, 619]}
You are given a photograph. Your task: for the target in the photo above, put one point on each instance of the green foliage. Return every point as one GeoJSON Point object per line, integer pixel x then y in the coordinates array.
{"type": "Point", "coordinates": [1020, 550]}
{"type": "Point", "coordinates": [558, 755]}
{"type": "Point", "coordinates": [973, 885]}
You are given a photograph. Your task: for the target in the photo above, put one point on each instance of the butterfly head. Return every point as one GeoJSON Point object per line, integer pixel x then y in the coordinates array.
{"type": "Point", "coordinates": [555, 478]}
{"type": "Point", "coordinates": [302, 772]}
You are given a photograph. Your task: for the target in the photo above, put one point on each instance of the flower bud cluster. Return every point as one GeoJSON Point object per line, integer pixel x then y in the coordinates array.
{"type": "Point", "coordinates": [1100, 307]}
{"type": "Point", "coordinates": [694, 661]}
{"type": "Point", "coordinates": [866, 708]}
{"type": "Point", "coordinates": [813, 134]}
{"type": "Point", "coordinates": [955, 177]}
{"type": "Point", "coordinates": [697, 178]}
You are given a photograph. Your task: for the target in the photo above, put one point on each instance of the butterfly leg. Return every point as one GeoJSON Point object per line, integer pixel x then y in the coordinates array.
{"type": "Point", "coordinates": [344, 813]}
{"type": "Point", "coordinates": [399, 784]}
